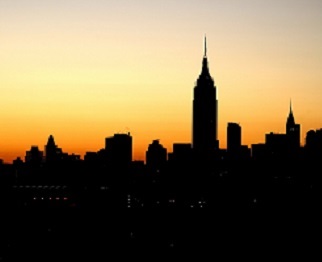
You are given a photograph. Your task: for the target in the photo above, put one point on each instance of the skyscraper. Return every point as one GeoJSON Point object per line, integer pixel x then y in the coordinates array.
{"type": "Point", "coordinates": [205, 111]}
{"type": "Point", "coordinates": [292, 132]}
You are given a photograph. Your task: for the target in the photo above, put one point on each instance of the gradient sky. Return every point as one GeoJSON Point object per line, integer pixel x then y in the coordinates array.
{"type": "Point", "coordinates": [83, 70]}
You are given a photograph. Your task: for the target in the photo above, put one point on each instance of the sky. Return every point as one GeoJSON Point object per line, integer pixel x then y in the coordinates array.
{"type": "Point", "coordinates": [83, 70]}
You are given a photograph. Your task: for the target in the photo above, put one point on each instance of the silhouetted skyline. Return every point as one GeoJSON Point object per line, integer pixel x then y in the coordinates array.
{"type": "Point", "coordinates": [204, 133]}
{"type": "Point", "coordinates": [123, 131]}
{"type": "Point", "coordinates": [101, 68]}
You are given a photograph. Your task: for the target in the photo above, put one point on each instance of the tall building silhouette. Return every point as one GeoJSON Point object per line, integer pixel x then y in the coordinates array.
{"type": "Point", "coordinates": [292, 131]}
{"type": "Point", "coordinates": [205, 111]}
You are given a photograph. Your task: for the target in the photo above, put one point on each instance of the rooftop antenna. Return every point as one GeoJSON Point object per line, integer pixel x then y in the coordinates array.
{"type": "Point", "coordinates": [205, 55]}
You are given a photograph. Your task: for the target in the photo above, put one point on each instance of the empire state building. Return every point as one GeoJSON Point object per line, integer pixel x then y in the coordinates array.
{"type": "Point", "coordinates": [205, 111]}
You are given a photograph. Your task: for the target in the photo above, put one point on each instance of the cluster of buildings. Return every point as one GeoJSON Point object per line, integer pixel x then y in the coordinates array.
{"type": "Point", "coordinates": [192, 174]}
{"type": "Point", "coordinates": [204, 145]}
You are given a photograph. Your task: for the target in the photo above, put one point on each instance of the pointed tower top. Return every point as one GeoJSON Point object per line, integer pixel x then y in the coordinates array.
{"type": "Point", "coordinates": [51, 140]}
{"type": "Point", "coordinates": [290, 118]}
{"type": "Point", "coordinates": [205, 55]}
{"type": "Point", "coordinates": [205, 70]}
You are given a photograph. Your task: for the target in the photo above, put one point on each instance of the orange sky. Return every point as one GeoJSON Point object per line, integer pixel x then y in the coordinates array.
{"type": "Point", "coordinates": [84, 70]}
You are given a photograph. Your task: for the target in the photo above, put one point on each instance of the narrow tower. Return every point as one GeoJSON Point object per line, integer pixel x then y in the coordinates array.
{"type": "Point", "coordinates": [292, 131]}
{"type": "Point", "coordinates": [205, 107]}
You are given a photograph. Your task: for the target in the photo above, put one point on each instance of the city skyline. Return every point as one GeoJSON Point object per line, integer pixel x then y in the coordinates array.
{"type": "Point", "coordinates": [69, 70]}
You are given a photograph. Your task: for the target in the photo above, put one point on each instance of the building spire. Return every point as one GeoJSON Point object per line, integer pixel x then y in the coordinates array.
{"type": "Point", "coordinates": [205, 55]}
{"type": "Point", "coordinates": [290, 118]}
{"type": "Point", "coordinates": [205, 71]}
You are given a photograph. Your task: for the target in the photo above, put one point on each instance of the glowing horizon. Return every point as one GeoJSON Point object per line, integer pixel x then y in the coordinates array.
{"type": "Point", "coordinates": [85, 70]}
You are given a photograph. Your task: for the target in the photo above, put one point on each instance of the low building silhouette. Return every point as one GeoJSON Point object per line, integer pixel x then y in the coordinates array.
{"type": "Point", "coordinates": [34, 156]}
{"type": "Point", "coordinates": [313, 144]}
{"type": "Point", "coordinates": [53, 153]}
{"type": "Point", "coordinates": [118, 150]}
{"type": "Point", "coordinates": [156, 156]}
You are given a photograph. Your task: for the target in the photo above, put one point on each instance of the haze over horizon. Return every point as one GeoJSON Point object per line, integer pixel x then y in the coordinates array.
{"type": "Point", "coordinates": [84, 70]}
